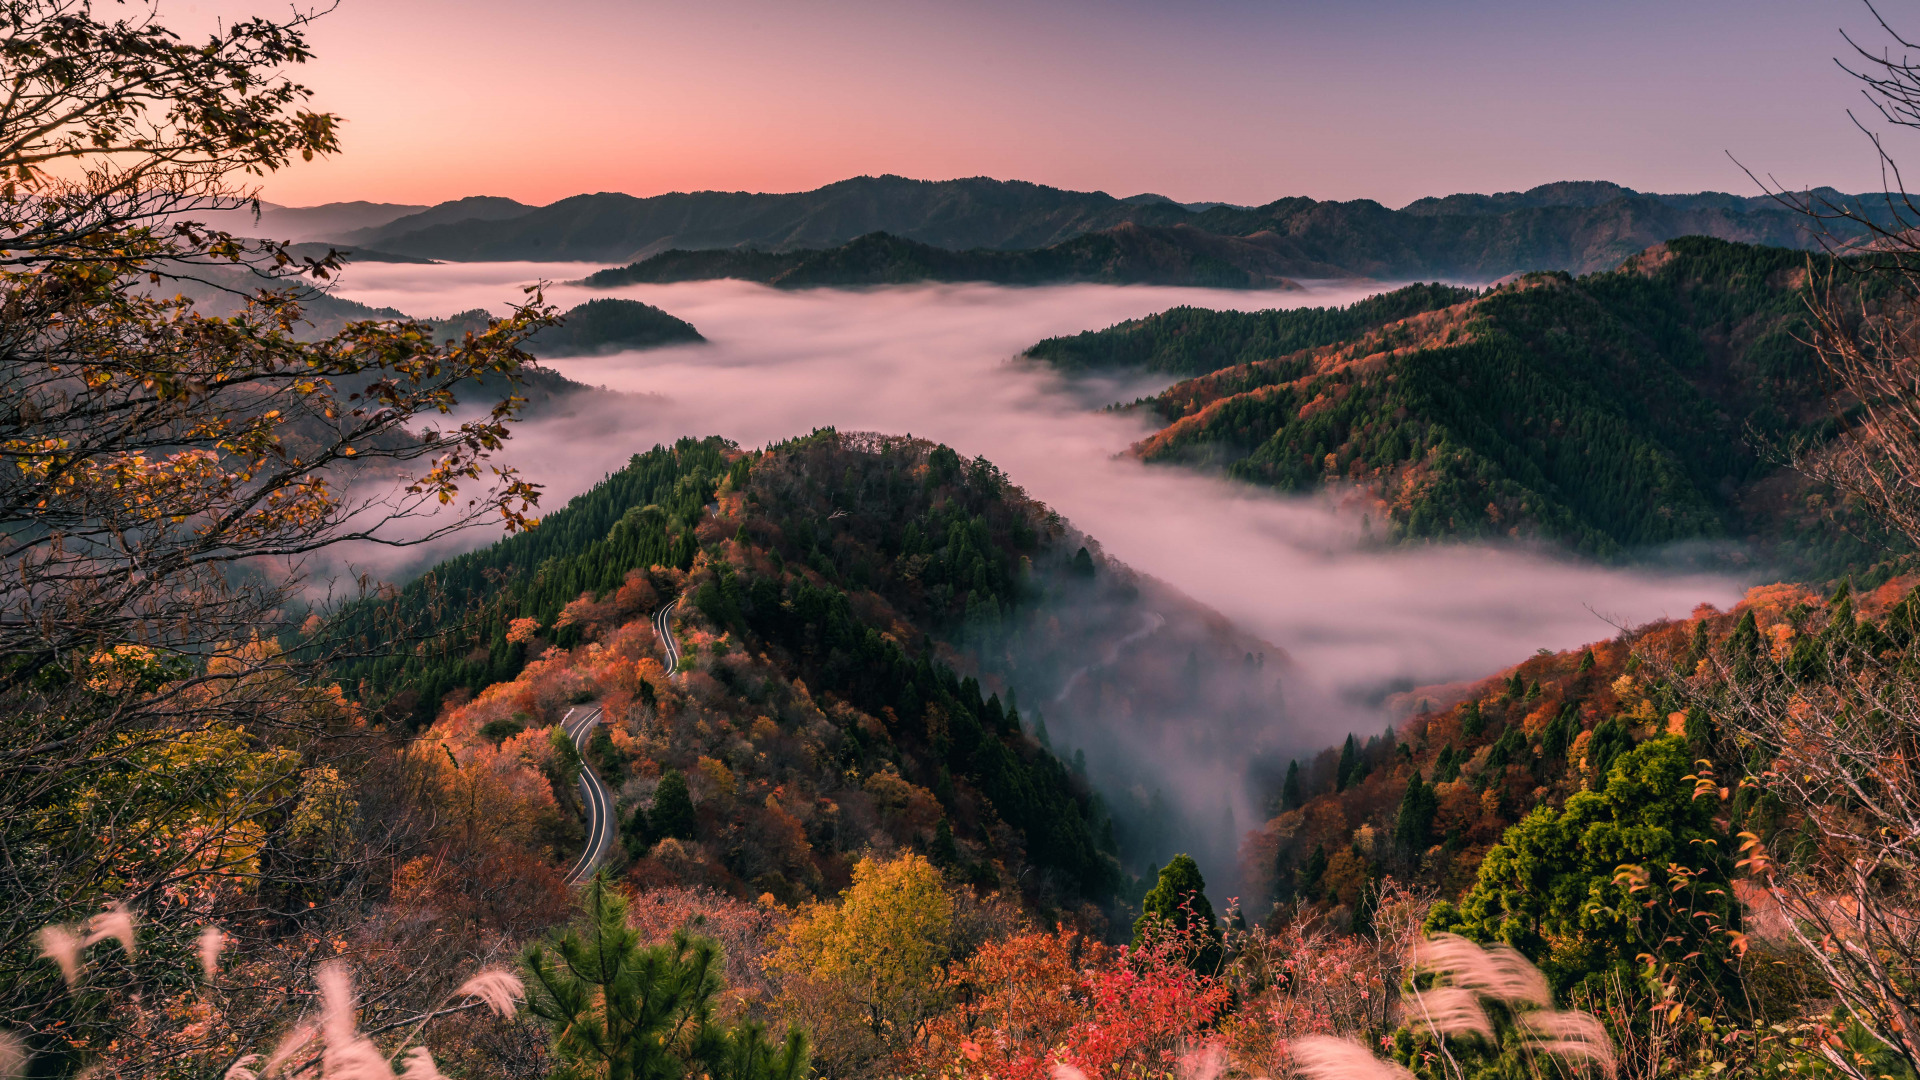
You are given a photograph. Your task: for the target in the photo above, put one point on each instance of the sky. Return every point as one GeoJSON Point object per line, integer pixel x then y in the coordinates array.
{"type": "Point", "coordinates": [1232, 100]}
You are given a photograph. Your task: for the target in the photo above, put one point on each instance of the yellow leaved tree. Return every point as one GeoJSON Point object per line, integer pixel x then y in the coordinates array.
{"type": "Point", "coordinates": [868, 972]}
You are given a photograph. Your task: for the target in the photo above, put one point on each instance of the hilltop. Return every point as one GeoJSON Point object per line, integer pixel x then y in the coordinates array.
{"type": "Point", "coordinates": [860, 616]}
{"type": "Point", "coordinates": [1612, 412]}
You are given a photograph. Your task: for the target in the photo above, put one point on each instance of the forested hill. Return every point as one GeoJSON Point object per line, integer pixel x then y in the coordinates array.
{"type": "Point", "coordinates": [1127, 254]}
{"type": "Point", "coordinates": [1610, 412]}
{"type": "Point", "coordinates": [1578, 227]}
{"type": "Point", "coordinates": [821, 712]}
{"type": "Point", "coordinates": [1194, 341]}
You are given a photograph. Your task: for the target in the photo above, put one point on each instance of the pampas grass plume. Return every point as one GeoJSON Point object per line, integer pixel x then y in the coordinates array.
{"type": "Point", "coordinates": [291, 1044]}
{"type": "Point", "coordinates": [1063, 1071]}
{"type": "Point", "coordinates": [115, 924]}
{"type": "Point", "coordinates": [499, 988]}
{"type": "Point", "coordinates": [243, 1069]}
{"type": "Point", "coordinates": [420, 1066]}
{"type": "Point", "coordinates": [1574, 1036]}
{"type": "Point", "coordinates": [13, 1056]}
{"type": "Point", "coordinates": [1497, 971]}
{"type": "Point", "coordinates": [212, 940]}
{"type": "Point", "coordinates": [1451, 1010]}
{"type": "Point", "coordinates": [1321, 1057]}
{"type": "Point", "coordinates": [1208, 1062]}
{"type": "Point", "coordinates": [59, 945]}
{"type": "Point", "coordinates": [356, 1059]}
{"type": "Point", "coordinates": [336, 1004]}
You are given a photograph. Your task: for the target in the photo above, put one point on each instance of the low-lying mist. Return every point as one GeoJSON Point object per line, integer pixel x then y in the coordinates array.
{"type": "Point", "coordinates": [1352, 623]}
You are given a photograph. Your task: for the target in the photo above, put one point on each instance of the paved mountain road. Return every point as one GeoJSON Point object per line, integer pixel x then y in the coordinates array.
{"type": "Point", "coordinates": [602, 825]}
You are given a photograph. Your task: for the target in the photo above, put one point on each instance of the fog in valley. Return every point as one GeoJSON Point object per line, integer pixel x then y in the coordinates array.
{"type": "Point", "coordinates": [1346, 625]}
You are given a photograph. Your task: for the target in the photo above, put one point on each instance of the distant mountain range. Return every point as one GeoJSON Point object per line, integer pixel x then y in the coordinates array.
{"type": "Point", "coordinates": [1126, 254]}
{"type": "Point", "coordinates": [1576, 226]}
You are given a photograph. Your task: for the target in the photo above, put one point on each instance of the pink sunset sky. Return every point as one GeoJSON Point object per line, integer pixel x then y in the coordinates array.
{"type": "Point", "coordinates": [1235, 100]}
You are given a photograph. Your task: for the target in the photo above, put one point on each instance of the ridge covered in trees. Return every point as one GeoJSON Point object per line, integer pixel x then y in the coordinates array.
{"type": "Point", "coordinates": [1126, 254]}
{"type": "Point", "coordinates": [816, 573]}
{"type": "Point", "coordinates": [1617, 411]}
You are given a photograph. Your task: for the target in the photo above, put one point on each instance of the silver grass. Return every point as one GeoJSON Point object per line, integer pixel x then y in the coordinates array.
{"type": "Point", "coordinates": [58, 944]}
{"type": "Point", "coordinates": [13, 1056]}
{"type": "Point", "coordinates": [336, 1004]}
{"type": "Point", "coordinates": [1451, 1010]}
{"type": "Point", "coordinates": [1321, 1057]}
{"type": "Point", "coordinates": [420, 1066]}
{"type": "Point", "coordinates": [243, 1069]}
{"type": "Point", "coordinates": [499, 988]}
{"type": "Point", "coordinates": [1575, 1037]}
{"type": "Point", "coordinates": [1063, 1071]}
{"type": "Point", "coordinates": [1205, 1063]}
{"type": "Point", "coordinates": [114, 924]}
{"type": "Point", "coordinates": [1496, 971]}
{"type": "Point", "coordinates": [356, 1059]}
{"type": "Point", "coordinates": [212, 941]}
{"type": "Point", "coordinates": [292, 1043]}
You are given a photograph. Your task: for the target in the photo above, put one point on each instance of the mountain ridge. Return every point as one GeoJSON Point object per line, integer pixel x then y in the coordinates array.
{"type": "Point", "coordinates": [1580, 226]}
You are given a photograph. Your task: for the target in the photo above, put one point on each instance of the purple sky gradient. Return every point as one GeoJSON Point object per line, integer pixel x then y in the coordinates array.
{"type": "Point", "coordinates": [1231, 100]}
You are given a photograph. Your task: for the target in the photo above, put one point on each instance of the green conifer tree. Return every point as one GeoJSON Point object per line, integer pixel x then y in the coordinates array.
{"type": "Point", "coordinates": [672, 813]}
{"type": "Point", "coordinates": [1178, 900]}
{"type": "Point", "coordinates": [621, 1010]}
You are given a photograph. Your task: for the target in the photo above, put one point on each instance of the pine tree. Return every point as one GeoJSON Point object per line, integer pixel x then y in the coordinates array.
{"type": "Point", "coordinates": [1413, 828]}
{"type": "Point", "coordinates": [1348, 772]}
{"type": "Point", "coordinates": [1290, 796]}
{"type": "Point", "coordinates": [1472, 720]}
{"type": "Point", "coordinates": [1178, 900]}
{"type": "Point", "coordinates": [943, 852]}
{"type": "Point", "coordinates": [621, 1010]}
{"type": "Point", "coordinates": [672, 813]}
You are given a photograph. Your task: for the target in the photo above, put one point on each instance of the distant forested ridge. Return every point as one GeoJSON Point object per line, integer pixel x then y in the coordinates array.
{"type": "Point", "coordinates": [1636, 407]}
{"type": "Point", "coordinates": [597, 326]}
{"type": "Point", "coordinates": [1194, 341]}
{"type": "Point", "coordinates": [1124, 255]}
{"type": "Point", "coordinates": [1579, 227]}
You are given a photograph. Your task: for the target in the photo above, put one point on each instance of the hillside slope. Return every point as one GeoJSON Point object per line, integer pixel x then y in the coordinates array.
{"type": "Point", "coordinates": [857, 612]}
{"type": "Point", "coordinates": [1611, 412]}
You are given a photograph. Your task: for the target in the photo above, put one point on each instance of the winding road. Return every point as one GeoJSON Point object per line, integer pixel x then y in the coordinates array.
{"type": "Point", "coordinates": [602, 825]}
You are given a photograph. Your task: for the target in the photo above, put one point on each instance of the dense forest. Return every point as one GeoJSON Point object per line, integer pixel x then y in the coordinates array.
{"type": "Point", "coordinates": [816, 579]}
{"type": "Point", "coordinates": [1127, 254]}
{"type": "Point", "coordinates": [1614, 412]}
{"type": "Point", "coordinates": [1194, 341]}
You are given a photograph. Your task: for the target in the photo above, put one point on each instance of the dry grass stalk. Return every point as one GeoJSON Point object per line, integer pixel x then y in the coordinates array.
{"type": "Point", "coordinates": [420, 1066]}
{"type": "Point", "coordinates": [115, 924]}
{"type": "Point", "coordinates": [58, 944]}
{"type": "Point", "coordinates": [243, 1068]}
{"type": "Point", "coordinates": [1451, 1011]}
{"type": "Point", "coordinates": [1495, 971]}
{"type": "Point", "coordinates": [499, 988]}
{"type": "Point", "coordinates": [212, 941]}
{"type": "Point", "coordinates": [1321, 1057]}
{"type": "Point", "coordinates": [13, 1056]}
{"type": "Point", "coordinates": [1575, 1037]}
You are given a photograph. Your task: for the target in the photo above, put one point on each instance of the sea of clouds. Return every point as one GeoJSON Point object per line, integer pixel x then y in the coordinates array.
{"type": "Point", "coordinates": [941, 361]}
